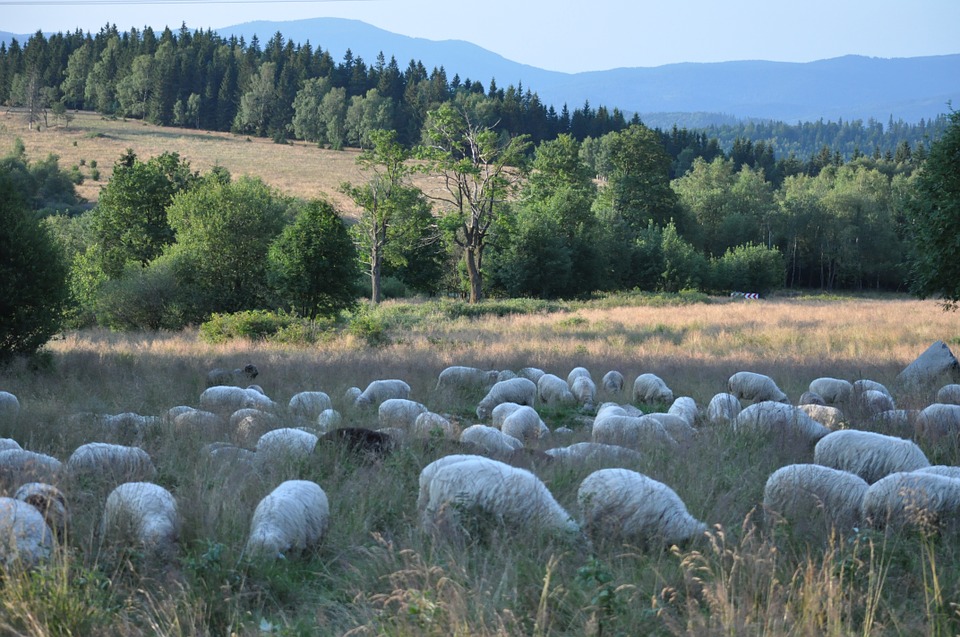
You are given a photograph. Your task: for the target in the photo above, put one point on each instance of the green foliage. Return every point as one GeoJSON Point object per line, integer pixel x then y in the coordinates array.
{"type": "Point", "coordinates": [749, 268]}
{"type": "Point", "coordinates": [224, 231]}
{"type": "Point", "coordinates": [369, 327]}
{"type": "Point", "coordinates": [263, 325]}
{"type": "Point", "coordinates": [33, 278]}
{"type": "Point", "coordinates": [683, 267]}
{"type": "Point", "coordinates": [534, 259]}
{"type": "Point", "coordinates": [934, 221]}
{"type": "Point", "coordinates": [314, 264]}
{"type": "Point", "coordinates": [41, 185]}
{"type": "Point", "coordinates": [141, 299]}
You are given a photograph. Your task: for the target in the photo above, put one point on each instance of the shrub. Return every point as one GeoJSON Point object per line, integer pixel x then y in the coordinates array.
{"type": "Point", "coordinates": [749, 268]}
{"type": "Point", "coordinates": [142, 298]}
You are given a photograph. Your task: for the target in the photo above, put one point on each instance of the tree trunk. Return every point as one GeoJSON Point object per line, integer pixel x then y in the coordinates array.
{"type": "Point", "coordinates": [376, 264]}
{"type": "Point", "coordinates": [473, 271]}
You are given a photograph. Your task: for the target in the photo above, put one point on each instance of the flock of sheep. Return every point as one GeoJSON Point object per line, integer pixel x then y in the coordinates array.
{"type": "Point", "coordinates": [856, 477]}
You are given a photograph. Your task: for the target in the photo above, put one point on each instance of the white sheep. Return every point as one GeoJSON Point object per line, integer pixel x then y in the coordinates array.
{"type": "Point", "coordinates": [898, 422]}
{"type": "Point", "coordinates": [650, 388]}
{"type": "Point", "coordinates": [19, 465]}
{"type": "Point", "coordinates": [811, 398]}
{"type": "Point", "coordinates": [806, 494]}
{"type": "Point", "coordinates": [865, 384]}
{"type": "Point", "coordinates": [9, 408]}
{"type": "Point", "coordinates": [918, 498]}
{"type": "Point", "coordinates": [834, 391]}
{"type": "Point", "coordinates": [949, 394]}
{"type": "Point", "coordinates": [620, 504]}
{"type": "Point", "coordinates": [531, 373]}
{"type": "Point", "coordinates": [677, 426]}
{"type": "Point", "coordinates": [868, 454]}
{"type": "Point", "coordinates": [522, 391]}
{"type": "Point", "coordinates": [328, 420]}
{"type": "Point", "coordinates": [198, 422]}
{"type": "Point", "coordinates": [577, 372]}
{"type": "Point", "coordinates": [506, 374]}
{"type": "Point", "coordinates": [113, 464]}
{"type": "Point", "coordinates": [49, 501]}
{"type": "Point", "coordinates": [755, 387]}
{"type": "Point", "coordinates": [779, 419]}
{"type": "Point", "coordinates": [938, 422]}
{"type": "Point", "coordinates": [553, 390]}
{"type": "Point", "coordinates": [224, 400]}
{"type": "Point", "coordinates": [293, 518]}
{"type": "Point", "coordinates": [585, 391]}
{"type": "Point", "coordinates": [247, 425]}
{"type": "Point", "coordinates": [9, 443]}
{"type": "Point", "coordinates": [460, 378]}
{"type": "Point", "coordinates": [429, 424]}
{"type": "Point", "coordinates": [686, 408]}
{"type": "Point", "coordinates": [635, 432]}
{"type": "Point", "coordinates": [514, 497]}
{"type": "Point", "coordinates": [872, 402]}
{"type": "Point", "coordinates": [399, 413]}
{"type": "Point", "coordinates": [723, 409]}
{"type": "Point", "coordinates": [171, 414]}
{"type": "Point", "coordinates": [381, 390]}
{"type": "Point", "coordinates": [612, 382]}
{"type": "Point", "coordinates": [830, 417]}
{"type": "Point", "coordinates": [25, 538]}
{"type": "Point", "coordinates": [220, 376]}
{"type": "Point", "coordinates": [500, 412]}
{"type": "Point", "coordinates": [351, 394]}
{"type": "Point", "coordinates": [524, 424]}
{"type": "Point", "coordinates": [142, 514]}
{"type": "Point", "coordinates": [948, 471]}
{"type": "Point", "coordinates": [427, 473]}
{"type": "Point", "coordinates": [490, 440]}
{"type": "Point", "coordinates": [283, 446]}
{"type": "Point", "coordinates": [597, 453]}
{"type": "Point", "coordinates": [309, 404]}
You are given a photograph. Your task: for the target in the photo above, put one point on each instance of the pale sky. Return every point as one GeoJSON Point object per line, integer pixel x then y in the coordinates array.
{"type": "Point", "coordinates": [564, 35]}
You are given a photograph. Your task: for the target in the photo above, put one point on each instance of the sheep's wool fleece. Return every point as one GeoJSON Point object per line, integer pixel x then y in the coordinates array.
{"type": "Point", "coordinates": [292, 517]}
{"type": "Point", "coordinates": [25, 538]}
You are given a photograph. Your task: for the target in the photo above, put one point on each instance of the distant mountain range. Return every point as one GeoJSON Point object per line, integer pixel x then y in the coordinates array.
{"type": "Point", "coordinates": [690, 94]}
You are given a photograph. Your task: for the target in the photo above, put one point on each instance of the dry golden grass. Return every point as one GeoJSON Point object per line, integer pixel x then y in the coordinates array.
{"type": "Point", "coordinates": [299, 169]}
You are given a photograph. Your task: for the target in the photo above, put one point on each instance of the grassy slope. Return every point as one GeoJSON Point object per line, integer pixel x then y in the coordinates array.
{"type": "Point", "coordinates": [376, 573]}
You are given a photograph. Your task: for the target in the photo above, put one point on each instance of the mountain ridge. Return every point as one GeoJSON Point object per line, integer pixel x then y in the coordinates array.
{"type": "Point", "coordinates": [848, 87]}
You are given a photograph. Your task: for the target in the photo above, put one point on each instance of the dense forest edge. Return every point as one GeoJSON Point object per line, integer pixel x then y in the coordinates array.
{"type": "Point", "coordinates": [533, 203]}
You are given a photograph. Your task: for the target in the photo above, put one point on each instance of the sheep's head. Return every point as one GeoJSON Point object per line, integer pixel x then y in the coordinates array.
{"type": "Point", "coordinates": [251, 371]}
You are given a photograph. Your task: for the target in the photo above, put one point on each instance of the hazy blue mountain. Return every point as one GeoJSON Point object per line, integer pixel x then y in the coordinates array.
{"type": "Point", "coordinates": [849, 87]}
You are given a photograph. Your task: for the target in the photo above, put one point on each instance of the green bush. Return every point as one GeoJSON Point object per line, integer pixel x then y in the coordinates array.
{"type": "Point", "coordinates": [370, 327]}
{"type": "Point", "coordinates": [748, 268]}
{"type": "Point", "coordinates": [264, 325]}
{"type": "Point", "coordinates": [142, 298]}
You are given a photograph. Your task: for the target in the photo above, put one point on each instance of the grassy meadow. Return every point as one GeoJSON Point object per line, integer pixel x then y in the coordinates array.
{"type": "Point", "coordinates": [377, 573]}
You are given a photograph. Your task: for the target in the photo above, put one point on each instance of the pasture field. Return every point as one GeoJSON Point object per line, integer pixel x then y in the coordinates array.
{"type": "Point", "coordinates": [377, 573]}
{"type": "Point", "coordinates": [299, 169]}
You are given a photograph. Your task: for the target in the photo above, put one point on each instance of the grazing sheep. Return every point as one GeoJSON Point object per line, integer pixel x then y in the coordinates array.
{"type": "Point", "coordinates": [522, 391]}
{"type": "Point", "coordinates": [755, 387]}
{"type": "Point", "coordinates": [624, 505]}
{"type": "Point", "coordinates": [171, 414]}
{"type": "Point", "coordinates": [810, 495]}
{"type": "Point", "coordinates": [896, 422]}
{"type": "Point", "coordinates": [25, 538]}
{"type": "Point", "coordinates": [490, 440]}
{"type": "Point", "coordinates": [872, 402]}
{"type": "Point", "coordinates": [920, 499]}
{"type": "Point", "coordinates": [328, 420]}
{"type": "Point", "coordinates": [577, 372]}
{"type": "Point", "coordinates": [834, 391]}
{"type": "Point", "coordinates": [399, 413]}
{"type": "Point", "coordinates": [524, 424]}
{"type": "Point", "coordinates": [381, 390]}
{"type": "Point", "coordinates": [686, 408]}
{"type": "Point", "coordinates": [19, 465]}
{"type": "Point", "coordinates": [780, 419]}
{"type": "Point", "coordinates": [236, 462]}
{"type": "Point", "coordinates": [198, 422]}
{"type": "Point", "coordinates": [308, 405]}
{"type": "Point", "coordinates": [677, 426]}
{"type": "Point", "coordinates": [948, 471]}
{"type": "Point", "coordinates": [830, 417]}
{"type": "Point", "coordinates": [867, 454]}
{"type": "Point", "coordinates": [723, 409]}
{"type": "Point", "coordinates": [293, 518]}
{"type": "Point", "coordinates": [351, 394]}
{"type": "Point", "coordinates": [635, 432]}
{"type": "Point", "coordinates": [9, 408]}
{"type": "Point", "coordinates": [111, 464]}
{"type": "Point", "coordinates": [362, 441]}
{"type": "Point", "coordinates": [938, 422]}
{"type": "Point", "coordinates": [949, 394]}
{"type": "Point", "coordinates": [862, 385]}
{"type": "Point", "coordinates": [128, 427]}
{"type": "Point", "coordinates": [429, 424]}
{"type": "Point", "coordinates": [531, 373]}
{"type": "Point", "coordinates": [811, 398]}
{"type": "Point", "coordinates": [142, 514]}
{"type": "Point", "coordinates": [553, 390]}
{"type": "Point", "coordinates": [650, 388]}
{"type": "Point", "coordinates": [459, 378]}
{"type": "Point", "coordinates": [476, 485]}
{"type": "Point", "coordinates": [506, 374]}
{"type": "Point", "coordinates": [500, 412]}
{"type": "Point", "coordinates": [285, 445]}
{"type": "Point", "coordinates": [612, 382]}
{"type": "Point", "coordinates": [9, 443]}
{"type": "Point", "coordinates": [584, 390]}
{"type": "Point", "coordinates": [587, 453]}
{"type": "Point", "coordinates": [224, 400]}
{"type": "Point", "coordinates": [248, 424]}
{"type": "Point", "coordinates": [49, 501]}
{"type": "Point", "coordinates": [427, 473]}
{"type": "Point", "coordinates": [231, 376]}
